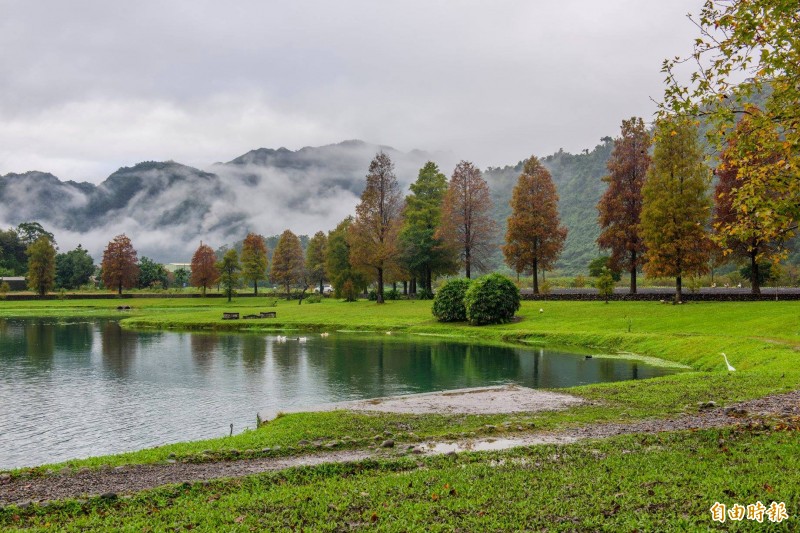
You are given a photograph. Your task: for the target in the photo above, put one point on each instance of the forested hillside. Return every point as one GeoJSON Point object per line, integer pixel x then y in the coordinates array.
{"type": "Point", "coordinates": [578, 180]}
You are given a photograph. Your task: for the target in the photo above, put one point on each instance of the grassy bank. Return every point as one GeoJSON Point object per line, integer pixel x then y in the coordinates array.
{"type": "Point", "coordinates": [624, 490]}
{"type": "Point", "coordinates": [645, 483]}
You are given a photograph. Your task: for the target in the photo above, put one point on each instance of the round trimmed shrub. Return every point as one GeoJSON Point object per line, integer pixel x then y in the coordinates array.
{"type": "Point", "coordinates": [448, 305]}
{"type": "Point", "coordinates": [492, 299]}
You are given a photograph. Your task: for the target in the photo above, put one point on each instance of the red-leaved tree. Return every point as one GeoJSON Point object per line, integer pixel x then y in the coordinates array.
{"type": "Point", "coordinates": [120, 264]}
{"type": "Point", "coordinates": [620, 207]}
{"type": "Point", "coordinates": [204, 268]}
{"type": "Point", "coordinates": [467, 223]}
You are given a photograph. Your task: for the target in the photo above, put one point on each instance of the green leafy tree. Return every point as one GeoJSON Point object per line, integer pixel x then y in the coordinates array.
{"type": "Point", "coordinates": [12, 253]}
{"type": "Point", "coordinates": [620, 207]}
{"type": "Point", "coordinates": [254, 259]}
{"type": "Point", "coordinates": [288, 265]}
{"type": "Point", "coordinates": [346, 279]}
{"type": "Point", "coordinates": [41, 265]}
{"type": "Point", "coordinates": [535, 236]}
{"type": "Point", "coordinates": [229, 268]}
{"type": "Point", "coordinates": [181, 277]}
{"type": "Point", "coordinates": [74, 268]}
{"type": "Point", "coordinates": [151, 274]}
{"type": "Point", "coordinates": [747, 50]}
{"type": "Point", "coordinates": [676, 208]}
{"type": "Point", "coordinates": [316, 254]}
{"type": "Point", "coordinates": [424, 252]}
{"type": "Point", "coordinates": [605, 284]}
{"type": "Point", "coordinates": [29, 232]}
{"type": "Point", "coordinates": [597, 265]}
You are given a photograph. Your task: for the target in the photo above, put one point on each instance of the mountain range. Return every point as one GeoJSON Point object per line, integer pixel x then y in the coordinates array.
{"type": "Point", "coordinates": [167, 208]}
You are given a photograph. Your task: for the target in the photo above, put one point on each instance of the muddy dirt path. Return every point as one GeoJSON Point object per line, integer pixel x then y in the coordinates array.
{"type": "Point", "coordinates": [134, 478]}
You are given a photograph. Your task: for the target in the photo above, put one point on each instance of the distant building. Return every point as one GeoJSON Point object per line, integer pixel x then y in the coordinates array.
{"type": "Point", "coordinates": [16, 283]}
{"type": "Point", "coordinates": [172, 267]}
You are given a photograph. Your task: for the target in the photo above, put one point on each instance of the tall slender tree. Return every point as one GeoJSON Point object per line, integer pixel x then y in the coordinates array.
{"type": "Point", "coordinates": [229, 268]}
{"type": "Point", "coordinates": [467, 224]}
{"type": "Point", "coordinates": [41, 265]}
{"type": "Point", "coordinates": [676, 208]}
{"type": "Point", "coordinates": [757, 229]}
{"type": "Point", "coordinates": [288, 265]}
{"type": "Point", "coordinates": [424, 252]}
{"type": "Point", "coordinates": [120, 264]}
{"type": "Point", "coordinates": [620, 207]}
{"type": "Point", "coordinates": [534, 237]}
{"type": "Point", "coordinates": [315, 259]}
{"type": "Point", "coordinates": [254, 259]}
{"type": "Point", "coordinates": [204, 268]}
{"type": "Point", "coordinates": [373, 235]}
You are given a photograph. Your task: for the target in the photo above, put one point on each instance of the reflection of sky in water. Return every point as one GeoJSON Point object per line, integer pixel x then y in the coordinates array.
{"type": "Point", "coordinates": [76, 389]}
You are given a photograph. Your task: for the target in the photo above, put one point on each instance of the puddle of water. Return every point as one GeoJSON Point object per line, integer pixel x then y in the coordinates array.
{"type": "Point", "coordinates": [486, 445]}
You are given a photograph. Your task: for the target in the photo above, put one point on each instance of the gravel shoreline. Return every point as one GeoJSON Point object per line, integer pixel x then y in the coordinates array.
{"type": "Point", "coordinates": [112, 482]}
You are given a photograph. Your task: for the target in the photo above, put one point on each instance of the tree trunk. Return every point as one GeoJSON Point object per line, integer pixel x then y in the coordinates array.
{"type": "Point", "coordinates": [633, 272]}
{"type": "Point", "coordinates": [322, 286]}
{"type": "Point", "coordinates": [413, 286]}
{"type": "Point", "coordinates": [255, 287]}
{"type": "Point", "coordinates": [119, 289]}
{"type": "Point", "coordinates": [380, 286]}
{"type": "Point", "coordinates": [678, 293]}
{"type": "Point", "coordinates": [467, 262]}
{"type": "Point", "coordinates": [288, 292]}
{"type": "Point", "coordinates": [535, 276]}
{"type": "Point", "coordinates": [204, 291]}
{"type": "Point", "coordinates": [405, 288]}
{"type": "Point", "coordinates": [754, 274]}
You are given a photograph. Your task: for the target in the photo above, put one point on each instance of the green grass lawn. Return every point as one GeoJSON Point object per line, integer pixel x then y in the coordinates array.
{"type": "Point", "coordinates": [761, 339]}
{"type": "Point", "coordinates": [663, 482]}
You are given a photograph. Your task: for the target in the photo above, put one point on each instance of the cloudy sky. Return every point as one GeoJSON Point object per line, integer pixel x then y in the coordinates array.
{"type": "Point", "coordinates": [89, 86]}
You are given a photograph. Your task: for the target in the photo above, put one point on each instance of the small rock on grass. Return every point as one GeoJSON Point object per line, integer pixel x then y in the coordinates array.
{"type": "Point", "coordinates": [388, 443]}
{"type": "Point", "coordinates": [707, 405]}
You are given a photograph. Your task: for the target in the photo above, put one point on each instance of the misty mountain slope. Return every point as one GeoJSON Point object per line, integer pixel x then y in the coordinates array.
{"type": "Point", "coordinates": [167, 208]}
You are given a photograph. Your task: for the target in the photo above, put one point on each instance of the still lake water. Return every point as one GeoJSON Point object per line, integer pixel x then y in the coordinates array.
{"type": "Point", "coordinates": [71, 389]}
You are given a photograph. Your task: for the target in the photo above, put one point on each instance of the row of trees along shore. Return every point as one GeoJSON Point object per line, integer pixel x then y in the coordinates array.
{"type": "Point", "coordinates": [656, 214]}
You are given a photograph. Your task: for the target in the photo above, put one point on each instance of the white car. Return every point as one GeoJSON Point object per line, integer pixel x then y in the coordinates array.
{"type": "Point", "coordinates": [327, 290]}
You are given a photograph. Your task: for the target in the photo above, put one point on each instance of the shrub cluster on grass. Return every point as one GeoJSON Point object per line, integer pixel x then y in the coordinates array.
{"type": "Point", "coordinates": [492, 299]}
{"type": "Point", "coordinates": [448, 306]}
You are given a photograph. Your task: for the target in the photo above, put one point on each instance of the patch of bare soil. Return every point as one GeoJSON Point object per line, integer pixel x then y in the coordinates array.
{"type": "Point", "coordinates": [127, 479]}
{"type": "Point", "coordinates": [475, 401]}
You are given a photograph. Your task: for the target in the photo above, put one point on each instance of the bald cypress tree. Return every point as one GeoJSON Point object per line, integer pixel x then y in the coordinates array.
{"type": "Point", "coordinates": [620, 207]}
{"type": "Point", "coordinates": [676, 207]}
{"type": "Point", "coordinates": [535, 237]}
{"type": "Point", "coordinates": [373, 236]}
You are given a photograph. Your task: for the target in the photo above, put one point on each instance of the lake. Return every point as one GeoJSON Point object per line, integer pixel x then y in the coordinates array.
{"type": "Point", "coordinates": [73, 388]}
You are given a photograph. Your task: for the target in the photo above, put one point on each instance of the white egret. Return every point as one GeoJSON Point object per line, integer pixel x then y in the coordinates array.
{"type": "Point", "coordinates": [730, 368]}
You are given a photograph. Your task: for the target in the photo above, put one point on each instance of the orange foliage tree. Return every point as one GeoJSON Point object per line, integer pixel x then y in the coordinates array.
{"type": "Point", "coordinates": [288, 264]}
{"type": "Point", "coordinates": [374, 234]}
{"type": "Point", "coordinates": [467, 225]}
{"type": "Point", "coordinates": [620, 207]}
{"type": "Point", "coordinates": [534, 238]}
{"type": "Point", "coordinates": [204, 268]}
{"type": "Point", "coordinates": [120, 264]}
